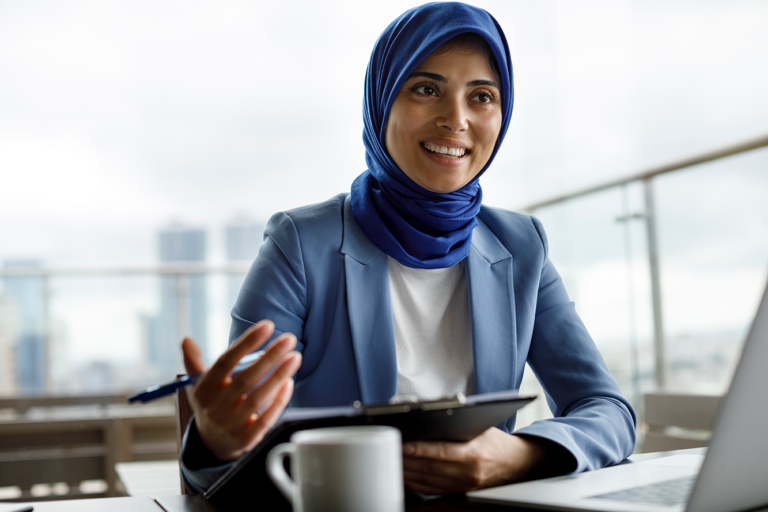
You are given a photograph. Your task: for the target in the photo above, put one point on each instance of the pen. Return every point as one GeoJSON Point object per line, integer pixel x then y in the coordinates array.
{"type": "Point", "coordinates": [161, 390]}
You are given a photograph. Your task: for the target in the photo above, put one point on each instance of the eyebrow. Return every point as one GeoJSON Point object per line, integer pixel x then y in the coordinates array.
{"type": "Point", "coordinates": [475, 83]}
{"type": "Point", "coordinates": [440, 78]}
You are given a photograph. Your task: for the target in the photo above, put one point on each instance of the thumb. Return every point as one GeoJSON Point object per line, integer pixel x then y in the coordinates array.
{"type": "Point", "coordinates": [193, 358]}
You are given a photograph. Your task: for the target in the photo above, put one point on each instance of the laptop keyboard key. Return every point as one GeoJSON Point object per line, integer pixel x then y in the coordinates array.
{"type": "Point", "coordinates": [668, 493]}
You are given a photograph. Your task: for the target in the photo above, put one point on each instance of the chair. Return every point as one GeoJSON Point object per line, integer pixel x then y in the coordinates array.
{"type": "Point", "coordinates": [183, 415]}
{"type": "Point", "coordinates": [678, 421]}
{"type": "Point", "coordinates": [70, 444]}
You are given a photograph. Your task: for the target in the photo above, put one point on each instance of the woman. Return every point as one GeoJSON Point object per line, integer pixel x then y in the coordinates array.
{"type": "Point", "coordinates": [409, 285]}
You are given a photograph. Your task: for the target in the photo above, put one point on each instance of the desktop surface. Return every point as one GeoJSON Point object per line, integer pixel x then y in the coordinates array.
{"type": "Point", "coordinates": [191, 503]}
{"type": "Point", "coordinates": [129, 504]}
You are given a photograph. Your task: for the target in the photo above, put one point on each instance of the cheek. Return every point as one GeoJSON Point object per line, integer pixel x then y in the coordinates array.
{"type": "Point", "coordinates": [396, 143]}
{"type": "Point", "coordinates": [394, 132]}
{"type": "Point", "coordinates": [403, 129]}
{"type": "Point", "coordinates": [490, 133]}
{"type": "Point", "coordinates": [409, 119]}
{"type": "Point", "coordinates": [487, 134]}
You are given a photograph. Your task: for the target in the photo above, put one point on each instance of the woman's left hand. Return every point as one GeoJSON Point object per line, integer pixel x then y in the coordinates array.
{"type": "Point", "coordinates": [493, 458]}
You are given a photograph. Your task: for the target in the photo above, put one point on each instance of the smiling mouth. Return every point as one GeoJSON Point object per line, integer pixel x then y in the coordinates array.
{"type": "Point", "coordinates": [446, 152]}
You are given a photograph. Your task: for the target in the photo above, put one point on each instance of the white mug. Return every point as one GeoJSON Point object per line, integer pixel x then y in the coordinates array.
{"type": "Point", "coordinates": [341, 469]}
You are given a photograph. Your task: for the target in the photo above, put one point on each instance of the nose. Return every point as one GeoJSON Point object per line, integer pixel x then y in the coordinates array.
{"type": "Point", "coordinates": [453, 116]}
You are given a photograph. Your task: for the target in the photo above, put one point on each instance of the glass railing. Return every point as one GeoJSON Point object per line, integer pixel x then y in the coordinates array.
{"type": "Point", "coordinates": [665, 267]}
{"type": "Point", "coordinates": [96, 331]}
{"type": "Point", "coordinates": [706, 221]}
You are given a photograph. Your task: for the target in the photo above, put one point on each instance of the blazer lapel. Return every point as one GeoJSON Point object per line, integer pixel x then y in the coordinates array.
{"type": "Point", "coordinates": [370, 312]}
{"type": "Point", "coordinates": [492, 309]}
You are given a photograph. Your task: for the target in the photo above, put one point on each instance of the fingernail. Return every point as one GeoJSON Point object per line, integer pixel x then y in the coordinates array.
{"type": "Point", "coordinates": [262, 323]}
{"type": "Point", "coordinates": [287, 339]}
{"type": "Point", "coordinates": [283, 341]}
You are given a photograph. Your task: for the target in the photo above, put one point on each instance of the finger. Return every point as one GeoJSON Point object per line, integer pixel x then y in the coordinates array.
{"type": "Point", "coordinates": [193, 358]}
{"type": "Point", "coordinates": [416, 483]}
{"type": "Point", "coordinates": [243, 386]}
{"type": "Point", "coordinates": [245, 344]}
{"type": "Point", "coordinates": [265, 392]}
{"type": "Point", "coordinates": [447, 484]}
{"type": "Point", "coordinates": [244, 381]}
{"type": "Point", "coordinates": [258, 428]}
{"type": "Point", "coordinates": [440, 450]}
{"type": "Point", "coordinates": [441, 468]}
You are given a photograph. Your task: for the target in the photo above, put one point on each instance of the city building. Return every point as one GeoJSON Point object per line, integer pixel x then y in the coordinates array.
{"type": "Point", "coordinates": [183, 300]}
{"type": "Point", "coordinates": [25, 300]}
{"type": "Point", "coordinates": [8, 329]}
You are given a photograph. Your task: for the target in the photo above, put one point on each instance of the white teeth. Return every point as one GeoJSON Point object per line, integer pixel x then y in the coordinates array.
{"type": "Point", "coordinates": [443, 150]}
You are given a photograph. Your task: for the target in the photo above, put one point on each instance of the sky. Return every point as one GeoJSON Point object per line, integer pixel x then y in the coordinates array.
{"type": "Point", "coordinates": [118, 118]}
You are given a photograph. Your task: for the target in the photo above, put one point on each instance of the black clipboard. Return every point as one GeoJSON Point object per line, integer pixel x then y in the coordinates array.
{"type": "Point", "coordinates": [453, 419]}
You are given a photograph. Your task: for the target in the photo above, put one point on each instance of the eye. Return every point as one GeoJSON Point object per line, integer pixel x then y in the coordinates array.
{"type": "Point", "coordinates": [425, 89]}
{"type": "Point", "coordinates": [484, 97]}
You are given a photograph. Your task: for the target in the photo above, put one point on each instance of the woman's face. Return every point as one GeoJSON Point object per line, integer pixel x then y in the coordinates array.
{"type": "Point", "coordinates": [445, 120]}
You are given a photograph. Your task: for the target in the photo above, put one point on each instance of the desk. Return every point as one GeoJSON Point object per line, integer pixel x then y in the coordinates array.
{"type": "Point", "coordinates": [155, 478]}
{"type": "Point", "coordinates": [140, 504]}
{"type": "Point", "coordinates": [188, 503]}
{"type": "Point", "coordinates": [447, 504]}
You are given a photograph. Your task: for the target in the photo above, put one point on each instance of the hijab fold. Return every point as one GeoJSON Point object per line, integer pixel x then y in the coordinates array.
{"type": "Point", "coordinates": [418, 227]}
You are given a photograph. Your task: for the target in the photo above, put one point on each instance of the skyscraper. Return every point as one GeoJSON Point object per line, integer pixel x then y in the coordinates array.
{"type": "Point", "coordinates": [183, 300]}
{"type": "Point", "coordinates": [25, 296]}
{"type": "Point", "coordinates": [8, 329]}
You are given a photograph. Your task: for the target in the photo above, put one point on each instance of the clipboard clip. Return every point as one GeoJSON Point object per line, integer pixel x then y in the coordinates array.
{"type": "Point", "coordinates": [403, 404]}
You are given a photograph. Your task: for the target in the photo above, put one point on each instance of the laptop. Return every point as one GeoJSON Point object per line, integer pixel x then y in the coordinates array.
{"type": "Point", "coordinates": [733, 476]}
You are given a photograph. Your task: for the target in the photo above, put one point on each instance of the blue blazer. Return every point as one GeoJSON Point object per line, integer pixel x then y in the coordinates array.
{"type": "Point", "coordinates": [318, 276]}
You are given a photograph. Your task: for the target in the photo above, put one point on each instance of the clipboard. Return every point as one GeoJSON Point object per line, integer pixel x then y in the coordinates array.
{"type": "Point", "coordinates": [457, 418]}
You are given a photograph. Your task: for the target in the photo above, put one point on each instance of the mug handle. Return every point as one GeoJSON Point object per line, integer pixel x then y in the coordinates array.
{"type": "Point", "coordinates": [276, 469]}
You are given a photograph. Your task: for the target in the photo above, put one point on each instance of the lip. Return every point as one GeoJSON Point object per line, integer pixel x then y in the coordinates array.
{"type": "Point", "coordinates": [443, 161]}
{"type": "Point", "coordinates": [449, 143]}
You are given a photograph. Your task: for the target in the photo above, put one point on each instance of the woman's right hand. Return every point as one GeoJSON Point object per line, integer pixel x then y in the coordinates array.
{"type": "Point", "coordinates": [232, 413]}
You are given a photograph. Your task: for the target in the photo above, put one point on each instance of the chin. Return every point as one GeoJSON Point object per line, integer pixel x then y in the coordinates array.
{"type": "Point", "coordinates": [442, 188]}
{"type": "Point", "coordinates": [440, 181]}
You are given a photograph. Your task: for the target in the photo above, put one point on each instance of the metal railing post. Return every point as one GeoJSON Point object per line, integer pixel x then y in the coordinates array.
{"type": "Point", "coordinates": [634, 353]}
{"type": "Point", "coordinates": [653, 264]}
{"type": "Point", "coordinates": [47, 335]}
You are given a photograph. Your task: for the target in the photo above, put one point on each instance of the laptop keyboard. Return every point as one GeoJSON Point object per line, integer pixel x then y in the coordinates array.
{"type": "Point", "coordinates": [669, 492]}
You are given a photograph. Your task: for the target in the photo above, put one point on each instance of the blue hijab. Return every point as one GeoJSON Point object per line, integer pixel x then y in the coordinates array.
{"type": "Point", "coordinates": [417, 227]}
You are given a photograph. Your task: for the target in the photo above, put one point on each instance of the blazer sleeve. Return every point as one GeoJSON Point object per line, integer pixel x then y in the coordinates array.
{"type": "Point", "coordinates": [274, 288]}
{"type": "Point", "coordinates": [592, 419]}
{"type": "Point", "coordinates": [276, 284]}
{"type": "Point", "coordinates": [199, 467]}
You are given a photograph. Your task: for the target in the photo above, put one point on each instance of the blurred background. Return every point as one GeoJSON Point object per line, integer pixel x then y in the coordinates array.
{"type": "Point", "coordinates": [144, 145]}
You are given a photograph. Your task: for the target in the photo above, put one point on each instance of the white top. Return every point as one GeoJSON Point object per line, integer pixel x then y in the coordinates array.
{"type": "Point", "coordinates": [433, 330]}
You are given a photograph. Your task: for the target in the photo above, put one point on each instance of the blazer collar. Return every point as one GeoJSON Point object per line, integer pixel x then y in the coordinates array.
{"type": "Point", "coordinates": [370, 312]}
{"type": "Point", "coordinates": [355, 243]}
{"type": "Point", "coordinates": [491, 290]}
{"type": "Point", "coordinates": [487, 244]}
